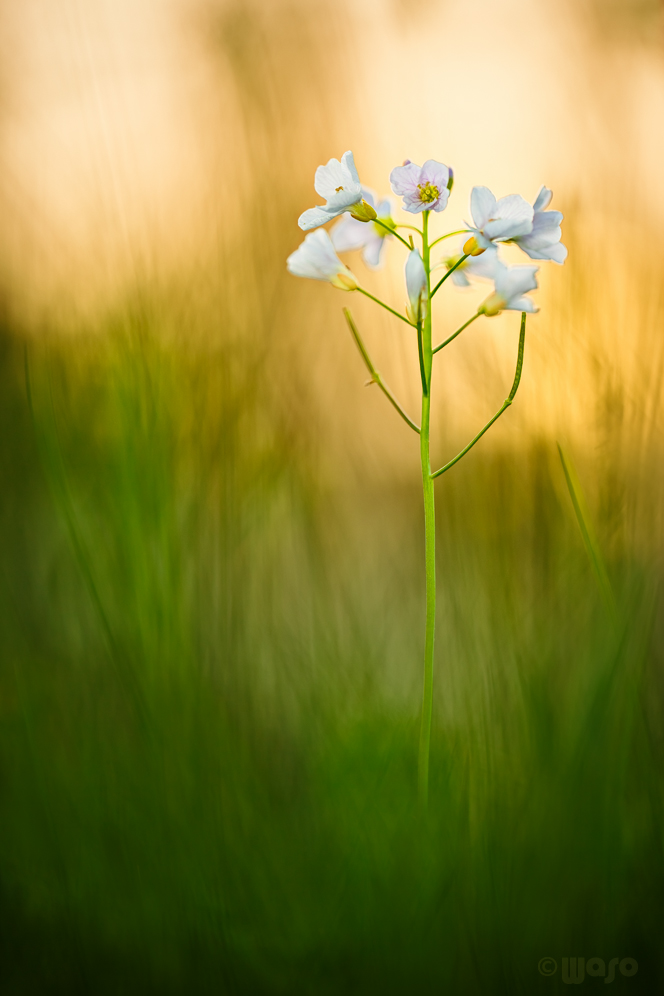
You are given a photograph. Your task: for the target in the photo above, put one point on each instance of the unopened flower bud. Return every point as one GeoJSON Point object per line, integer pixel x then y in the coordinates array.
{"type": "Point", "coordinates": [416, 285]}
{"type": "Point", "coordinates": [472, 247]}
{"type": "Point", "coordinates": [363, 212]}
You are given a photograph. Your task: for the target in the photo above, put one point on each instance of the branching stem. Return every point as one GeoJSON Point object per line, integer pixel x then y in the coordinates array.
{"type": "Point", "coordinates": [391, 231]}
{"type": "Point", "coordinates": [449, 235]}
{"type": "Point", "coordinates": [450, 272]}
{"type": "Point", "coordinates": [386, 306]}
{"type": "Point", "coordinates": [442, 345]}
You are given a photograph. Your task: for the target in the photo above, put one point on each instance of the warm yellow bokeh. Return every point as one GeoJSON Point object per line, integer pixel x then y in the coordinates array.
{"type": "Point", "coordinates": [172, 145]}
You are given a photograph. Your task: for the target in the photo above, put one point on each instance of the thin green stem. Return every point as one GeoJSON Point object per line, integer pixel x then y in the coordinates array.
{"type": "Point", "coordinates": [375, 376]}
{"type": "Point", "coordinates": [429, 534]}
{"type": "Point", "coordinates": [508, 401]}
{"type": "Point", "coordinates": [425, 388]}
{"type": "Point", "coordinates": [386, 306]}
{"type": "Point", "coordinates": [449, 236]}
{"type": "Point", "coordinates": [413, 228]}
{"type": "Point", "coordinates": [442, 345]}
{"type": "Point", "coordinates": [391, 231]}
{"type": "Point", "coordinates": [449, 273]}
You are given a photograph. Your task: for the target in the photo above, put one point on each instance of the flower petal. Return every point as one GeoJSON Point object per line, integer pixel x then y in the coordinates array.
{"type": "Point", "coordinates": [543, 199]}
{"type": "Point", "coordinates": [486, 266]}
{"type": "Point", "coordinates": [513, 281]}
{"type": "Point", "coordinates": [373, 251]}
{"type": "Point", "coordinates": [348, 161]}
{"type": "Point", "coordinates": [315, 258]}
{"type": "Point", "coordinates": [512, 216]}
{"type": "Point", "coordinates": [348, 234]}
{"type": "Point", "coordinates": [329, 177]}
{"type": "Point", "coordinates": [313, 218]}
{"type": "Point", "coordinates": [435, 173]}
{"type": "Point", "coordinates": [404, 179]}
{"type": "Point", "coordinates": [460, 279]}
{"type": "Point", "coordinates": [521, 304]}
{"type": "Point", "coordinates": [557, 253]}
{"type": "Point", "coordinates": [482, 205]}
{"type": "Point", "coordinates": [441, 203]}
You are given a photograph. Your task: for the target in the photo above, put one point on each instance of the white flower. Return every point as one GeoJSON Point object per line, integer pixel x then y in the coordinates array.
{"type": "Point", "coordinates": [477, 267]}
{"type": "Point", "coordinates": [339, 184]}
{"type": "Point", "coordinates": [511, 283]}
{"type": "Point", "coordinates": [423, 188]}
{"type": "Point", "coordinates": [497, 221]}
{"type": "Point", "coordinates": [316, 259]}
{"type": "Point", "coordinates": [416, 285]}
{"type": "Point", "coordinates": [349, 233]}
{"type": "Point", "coordinates": [544, 240]}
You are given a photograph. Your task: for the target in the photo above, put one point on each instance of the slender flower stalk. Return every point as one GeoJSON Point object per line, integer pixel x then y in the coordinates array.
{"type": "Point", "coordinates": [425, 190]}
{"type": "Point", "coordinates": [391, 231]}
{"type": "Point", "coordinates": [441, 345]}
{"type": "Point", "coordinates": [429, 533]}
{"type": "Point", "coordinates": [449, 273]}
{"type": "Point", "coordinates": [377, 300]}
{"type": "Point", "coordinates": [459, 231]}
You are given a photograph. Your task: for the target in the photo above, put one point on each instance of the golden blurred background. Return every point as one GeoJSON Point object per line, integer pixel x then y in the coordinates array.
{"type": "Point", "coordinates": [212, 581]}
{"type": "Point", "coordinates": [172, 143]}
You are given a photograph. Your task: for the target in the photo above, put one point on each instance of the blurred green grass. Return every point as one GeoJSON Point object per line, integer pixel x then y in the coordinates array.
{"type": "Point", "coordinates": [212, 607]}
{"type": "Point", "coordinates": [210, 688]}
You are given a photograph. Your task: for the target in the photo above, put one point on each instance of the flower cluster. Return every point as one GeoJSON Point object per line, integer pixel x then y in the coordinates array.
{"type": "Point", "coordinates": [366, 224]}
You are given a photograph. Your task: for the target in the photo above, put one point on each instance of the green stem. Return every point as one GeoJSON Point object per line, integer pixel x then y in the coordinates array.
{"type": "Point", "coordinates": [458, 332]}
{"type": "Point", "coordinates": [505, 405]}
{"type": "Point", "coordinates": [383, 305]}
{"type": "Point", "coordinates": [425, 389]}
{"type": "Point", "coordinates": [449, 236]}
{"type": "Point", "coordinates": [391, 231]}
{"type": "Point", "coordinates": [449, 273]}
{"type": "Point", "coordinates": [429, 536]}
{"type": "Point", "coordinates": [375, 376]}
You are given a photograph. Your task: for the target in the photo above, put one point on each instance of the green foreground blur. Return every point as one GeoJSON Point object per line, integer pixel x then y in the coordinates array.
{"type": "Point", "coordinates": [209, 700]}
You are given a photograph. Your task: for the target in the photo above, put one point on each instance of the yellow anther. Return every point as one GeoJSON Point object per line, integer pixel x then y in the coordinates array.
{"type": "Point", "coordinates": [428, 193]}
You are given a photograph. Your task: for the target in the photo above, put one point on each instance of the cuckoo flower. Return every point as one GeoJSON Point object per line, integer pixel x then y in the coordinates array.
{"type": "Point", "coordinates": [423, 188]}
{"type": "Point", "coordinates": [511, 284]}
{"type": "Point", "coordinates": [416, 285]}
{"type": "Point", "coordinates": [496, 221]}
{"type": "Point", "coordinates": [349, 233]}
{"type": "Point", "coordinates": [316, 259]}
{"type": "Point", "coordinates": [544, 240]}
{"type": "Point", "coordinates": [339, 184]}
{"type": "Point", "coordinates": [476, 267]}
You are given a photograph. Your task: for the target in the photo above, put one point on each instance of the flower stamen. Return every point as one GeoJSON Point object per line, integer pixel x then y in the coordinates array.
{"type": "Point", "coordinates": [428, 192]}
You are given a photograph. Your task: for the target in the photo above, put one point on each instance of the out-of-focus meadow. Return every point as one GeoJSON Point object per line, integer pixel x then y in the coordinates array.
{"type": "Point", "coordinates": [211, 622]}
